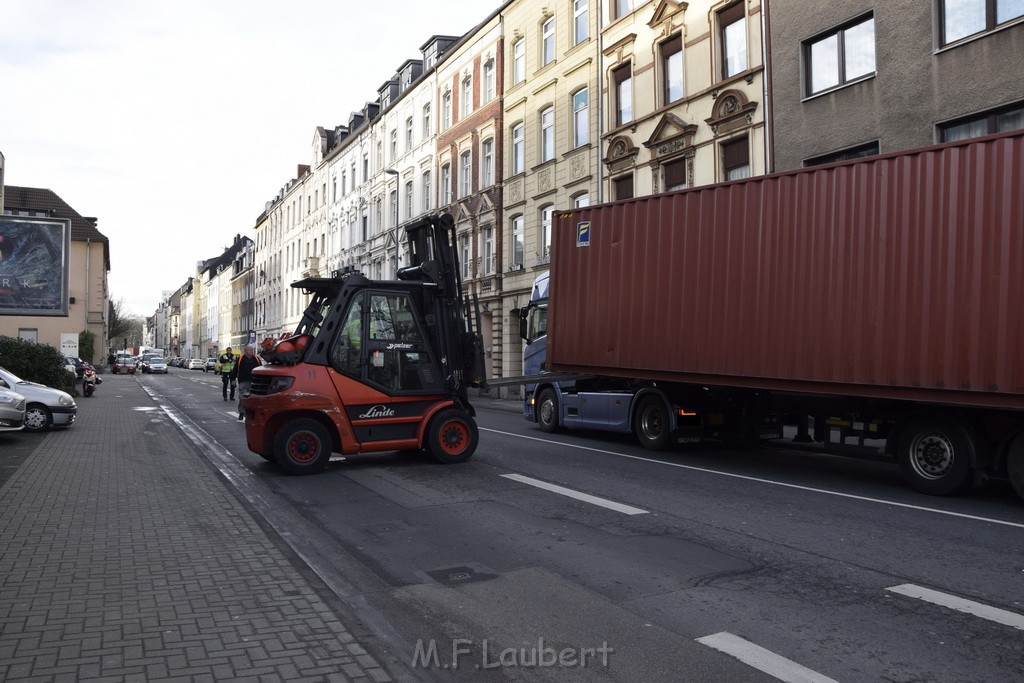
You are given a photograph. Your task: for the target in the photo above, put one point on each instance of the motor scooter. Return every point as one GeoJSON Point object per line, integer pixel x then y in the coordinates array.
{"type": "Point", "coordinates": [89, 380]}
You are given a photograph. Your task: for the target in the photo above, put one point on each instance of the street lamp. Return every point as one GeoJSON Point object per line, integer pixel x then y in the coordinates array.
{"type": "Point", "coordinates": [397, 174]}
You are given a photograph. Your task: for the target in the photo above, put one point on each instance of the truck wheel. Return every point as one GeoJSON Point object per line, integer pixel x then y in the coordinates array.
{"type": "Point", "coordinates": [452, 436]}
{"type": "Point", "coordinates": [935, 456]}
{"type": "Point", "coordinates": [1015, 464]}
{"type": "Point", "coordinates": [547, 411]}
{"type": "Point", "coordinates": [651, 423]}
{"type": "Point", "coordinates": [302, 446]}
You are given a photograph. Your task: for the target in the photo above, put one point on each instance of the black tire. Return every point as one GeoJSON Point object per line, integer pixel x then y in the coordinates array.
{"type": "Point", "coordinates": [87, 391]}
{"type": "Point", "coordinates": [547, 411]}
{"type": "Point", "coordinates": [452, 436]}
{"type": "Point", "coordinates": [38, 417]}
{"type": "Point", "coordinates": [935, 456]}
{"type": "Point", "coordinates": [651, 423]}
{"type": "Point", "coordinates": [1015, 464]}
{"type": "Point", "coordinates": [302, 446]}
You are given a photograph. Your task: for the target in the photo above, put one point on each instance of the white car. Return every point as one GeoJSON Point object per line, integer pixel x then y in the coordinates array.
{"type": "Point", "coordinates": [156, 365]}
{"type": "Point", "coordinates": [196, 364]}
{"type": "Point", "coordinates": [12, 411]}
{"type": "Point", "coordinates": [45, 407]}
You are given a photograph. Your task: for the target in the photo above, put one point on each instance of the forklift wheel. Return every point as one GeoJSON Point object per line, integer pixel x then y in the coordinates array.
{"type": "Point", "coordinates": [302, 446]}
{"type": "Point", "coordinates": [452, 436]}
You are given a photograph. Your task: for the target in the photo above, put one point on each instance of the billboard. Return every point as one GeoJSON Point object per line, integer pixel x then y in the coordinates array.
{"type": "Point", "coordinates": [34, 265]}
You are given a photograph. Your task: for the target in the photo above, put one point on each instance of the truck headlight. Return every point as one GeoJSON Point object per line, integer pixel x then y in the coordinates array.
{"type": "Point", "coordinates": [279, 384]}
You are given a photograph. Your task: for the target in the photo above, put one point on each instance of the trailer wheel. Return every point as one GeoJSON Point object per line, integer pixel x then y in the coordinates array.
{"type": "Point", "coordinates": [547, 411]}
{"type": "Point", "coordinates": [302, 446]}
{"type": "Point", "coordinates": [1015, 464]}
{"type": "Point", "coordinates": [651, 423]}
{"type": "Point", "coordinates": [935, 456]}
{"type": "Point", "coordinates": [452, 436]}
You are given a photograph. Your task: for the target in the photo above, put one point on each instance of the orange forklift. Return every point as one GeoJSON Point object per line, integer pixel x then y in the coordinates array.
{"type": "Point", "coordinates": [374, 365]}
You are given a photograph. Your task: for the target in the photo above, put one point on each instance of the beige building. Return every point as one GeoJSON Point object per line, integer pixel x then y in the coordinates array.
{"type": "Point", "coordinates": [88, 265]}
{"type": "Point", "coordinates": [683, 88]}
{"type": "Point", "coordinates": [551, 140]}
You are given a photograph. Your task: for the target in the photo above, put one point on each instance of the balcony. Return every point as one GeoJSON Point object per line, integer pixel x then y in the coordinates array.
{"type": "Point", "coordinates": [311, 266]}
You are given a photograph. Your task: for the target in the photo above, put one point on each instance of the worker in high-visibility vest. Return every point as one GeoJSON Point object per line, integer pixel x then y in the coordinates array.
{"type": "Point", "coordinates": [228, 373]}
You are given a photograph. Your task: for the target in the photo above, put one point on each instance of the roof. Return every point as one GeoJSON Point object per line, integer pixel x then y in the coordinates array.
{"type": "Point", "coordinates": [34, 200]}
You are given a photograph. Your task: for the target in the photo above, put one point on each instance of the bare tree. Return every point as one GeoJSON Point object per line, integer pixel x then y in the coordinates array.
{"type": "Point", "coordinates": [123, 329]}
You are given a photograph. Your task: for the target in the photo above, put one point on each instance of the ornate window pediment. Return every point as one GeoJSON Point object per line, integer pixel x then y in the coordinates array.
{"type": "Point", "coordinates": [621, 153]}
{"type": "Point", "coordinates": [732, 110]}
{"type": "Point", "coordinates": [666, 10]}
{"type": "Point", "coordinates": [671, 135]}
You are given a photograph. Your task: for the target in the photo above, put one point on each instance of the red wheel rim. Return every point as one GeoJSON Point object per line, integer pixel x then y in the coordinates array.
{"type": "Point", "coordinates": [303, 447]}
{"type": "Point", "coordinates": [454, 437]}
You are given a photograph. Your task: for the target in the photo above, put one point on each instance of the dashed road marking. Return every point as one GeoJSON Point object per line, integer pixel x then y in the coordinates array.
{"type": "Point", "coordinates": [762, 659]}
{"type": "Point", "coordinates": [1000, 616]}
{"type": "Point", "coordinates": [578, 495]}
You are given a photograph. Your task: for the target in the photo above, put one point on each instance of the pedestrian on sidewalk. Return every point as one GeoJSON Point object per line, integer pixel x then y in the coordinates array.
{"type": "Point", "coordinates": [228, 373]}
{"type": "Point", "coordinates": [246, 364]}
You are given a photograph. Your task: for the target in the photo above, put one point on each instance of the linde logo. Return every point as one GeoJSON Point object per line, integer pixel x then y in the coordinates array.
{"type": "Point", "coordinates": [377, 411]}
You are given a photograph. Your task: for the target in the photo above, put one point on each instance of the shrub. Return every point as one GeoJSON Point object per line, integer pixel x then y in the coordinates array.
{"type": "Point", "coordinates": [36, 363]}
{"type": "Point", "coordinates": [86, 344]}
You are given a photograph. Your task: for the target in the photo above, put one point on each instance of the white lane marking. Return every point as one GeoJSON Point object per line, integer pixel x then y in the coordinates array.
{"type": "Point", "coordinates": [1000, 616]}
{"type": "Point", "coordinates": [586, 497]}
{"type": "Point", "coordinates": [763, 481]}
{"type": "Point", "coordinates": [762, 659]}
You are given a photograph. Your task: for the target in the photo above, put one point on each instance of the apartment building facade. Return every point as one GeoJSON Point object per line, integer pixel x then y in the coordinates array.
{"type": "Point", "coordinates": [862, 77]}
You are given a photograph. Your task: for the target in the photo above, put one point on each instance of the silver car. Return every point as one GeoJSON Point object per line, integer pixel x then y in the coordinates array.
{"type": "Point", "coordinates": [12, 411]}
{"type": "Point", "coordinates": [45, 406]}
{"type": "Point", "coordinates": [157, 365]}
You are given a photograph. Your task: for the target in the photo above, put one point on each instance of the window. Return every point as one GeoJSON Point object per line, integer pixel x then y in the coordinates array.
{"type": "Point", "coordinates": [464, 254]}
{"type": "Point", "coordinates": [547, 134]}
{"type": "Point", "coordinates": [546, 214]}
{"type": "Point", "coordinates": [29, 334]}
{"type": "Point", "coordinates": [426, 191]}
{"type": "Point", "coordinates": [366, 167]}
{"type": "Point", "coordinates": [487, 172]}
{"type": "Point", "coordinates": [547, 42]}
{"type": "Point", "coordinates": [962, 18]}
{"type": "Point", "coordinates": [427, 131]}
{"type": "Point", "coordinates": [446, 110]}
{"type": "Point", "coordinates": [841, 56]}
{"type": "Point", "coordinates": [581, 200]}
{"type": "Point", "coordinates": [394, 144]}
{"type": "Point", "coordinates": [446, 184]}
{"type": "Point", "coordinates": [334, 189]}
{"type": "Point", "coordinates": [518, 241]}
{"type": "Point", "coordinates": [581, 28]}
{"type": "Point", "coordinates": [580, 119]}
{"type": "Point", "coordinates": [675, 175]}
{"type": "Point", "coordinates": [622, 8]}
{"type": "Point", "coordinates": [518, 149]}
{"type": "Point", "coordinates": [488, 250]}
{"type": "Point", "coordinates": [353, 175]}
{"type": "Point", "coordinates": [408, 200]}
{"type": "Point", "coordinates": [623, 186]}
{"type": "Point", "coordinates": [488, 93]}
{"type": "Point", "coordinates": [986, 123]}
{"type": "Point", "coordinates": [736, 159]}
{"type": "Point", "coordinates": [344, 178]}
{"type": "Point", "coordinates": [865, 150]}
{"type": "Point", "coordinates": [465, 174]}
{"type": "Point", "coordinates": [393, 205]}
{"type": "Point", "coordinates": [519, 61]}
{"type": "Point", "coordinates": [732, 26]}
{"type": "Point", "coordinates": [408, 133]}
{"type": "Point", "coordinates": [380, 155]}
{"type": "Point", "coordinates": [622, 77]}
{"type": "Point", "coordinates": [466, 98]}
{"type": "Point", "coordinates": [672, 69]}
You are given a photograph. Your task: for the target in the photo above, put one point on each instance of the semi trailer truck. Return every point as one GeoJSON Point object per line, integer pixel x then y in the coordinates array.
{"type": "Point", "coordinates": [873, 306]}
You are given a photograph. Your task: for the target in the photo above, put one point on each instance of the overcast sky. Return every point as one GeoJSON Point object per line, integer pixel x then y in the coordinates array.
{"type": "Point", "coordinates": [175, 122]}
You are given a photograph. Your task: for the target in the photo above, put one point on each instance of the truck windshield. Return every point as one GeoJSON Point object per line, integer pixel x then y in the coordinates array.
{"type": "Point", "coordinates": [537, 323]}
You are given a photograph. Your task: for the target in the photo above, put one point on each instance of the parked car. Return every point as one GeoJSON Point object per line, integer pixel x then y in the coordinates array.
{"type": "Point", "coordinates": [78, 364]}
{"type": "Point", "coordinates": [156, 365]}
{"type": "Point", "coordinates": [45, 405]}
{"type": "Point", "coordinates": [69, 365]}
{"type": "Point", "coordinates": [125, 365]}
{"type": "Point", "coordinates": [12, 411]}
{"type": "Point", "coordinates": [211, 364]}
{"type": "Point", "coordinates": [196, 364]}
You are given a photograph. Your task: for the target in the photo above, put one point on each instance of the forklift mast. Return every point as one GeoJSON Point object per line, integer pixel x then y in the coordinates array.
{"type": "Point", "coordinates": [454, 323]}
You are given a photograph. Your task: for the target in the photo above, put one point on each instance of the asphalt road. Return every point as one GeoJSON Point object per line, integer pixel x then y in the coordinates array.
{"type": "Point", "coordinates": [701, 564]}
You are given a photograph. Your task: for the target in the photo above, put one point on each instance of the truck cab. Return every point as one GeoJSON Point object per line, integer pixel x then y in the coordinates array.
{"type": "Point", "coordinates": [373, 365]}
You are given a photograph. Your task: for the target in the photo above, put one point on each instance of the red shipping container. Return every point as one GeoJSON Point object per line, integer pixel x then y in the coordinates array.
{"type": "Point", "coordinates": [898, 276]}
